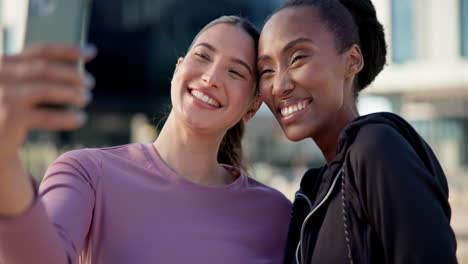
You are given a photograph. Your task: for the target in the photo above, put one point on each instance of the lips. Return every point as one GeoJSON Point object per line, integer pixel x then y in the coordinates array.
{"type": "Point", "coordinates": [205, 97]}
{"type": "Point", "coordinates": [290, 109]}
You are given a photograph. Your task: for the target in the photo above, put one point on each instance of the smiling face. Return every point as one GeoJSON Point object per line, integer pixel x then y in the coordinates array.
{"type": "Point", "coordinates": [213, 86]}
{"type": "Point", "coordinates": [302, 73]}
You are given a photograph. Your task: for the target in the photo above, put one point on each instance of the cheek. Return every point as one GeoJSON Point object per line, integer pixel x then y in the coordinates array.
{"type": "Point", "coordinates": [335, 84]}
{"type": "Point", "coordinates": [177, 77]}
{"type": "Point", "coordinates": [319, 77]}
{"type": "Point", "coordinates": [175, 80]}
{"type": "Point", "coordinates": [242, 94]}
{"type": "Point", "coordinates": [265, 90]}
{"type": "Point", "coordinates": [332, 94]}
{"type": "Point", "coordinates": [312, 73]}
{"type": "Point", "coordinates": [267, 98]}
{"type": "Point", "coordinates": [188, 69]}
{"type": "Point", "coordinates": [179, 81]}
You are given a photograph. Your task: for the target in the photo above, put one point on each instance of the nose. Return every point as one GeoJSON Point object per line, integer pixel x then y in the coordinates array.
{"type": "Point", "coordinates": [211, 76]}
{"type": "Point", "coordinates": [282, 84]}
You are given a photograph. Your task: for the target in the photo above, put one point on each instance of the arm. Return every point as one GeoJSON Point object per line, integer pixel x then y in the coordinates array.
{"type": "Point", "coordinates": [16, 189]}
{"type": "Point", "coordinates": [39, 75]}
{"type": "Point", "coordinates": [403, 201]}
{"type": "Point", "coordinates": [53, 230]}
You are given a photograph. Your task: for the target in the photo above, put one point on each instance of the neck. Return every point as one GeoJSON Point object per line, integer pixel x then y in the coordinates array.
{"type": "Point", "coordinates": [327, 139]}
{"type": "Point", "coordinates": [191, 153]}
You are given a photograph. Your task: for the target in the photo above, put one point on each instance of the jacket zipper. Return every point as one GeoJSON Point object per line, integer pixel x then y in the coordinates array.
{"type": "Point", "coordinates": [313, 211]}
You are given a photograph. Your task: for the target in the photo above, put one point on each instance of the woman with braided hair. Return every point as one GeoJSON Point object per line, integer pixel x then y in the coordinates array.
{"type": "Point", "coordinates": [382, 196]}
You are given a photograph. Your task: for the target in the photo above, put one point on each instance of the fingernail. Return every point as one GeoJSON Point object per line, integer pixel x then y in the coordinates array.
{"type": "Point", "coordinates": [89, 50]}
{"type": "Point", "coordinates": [89, 80]}
{"type": "Point", "coordinates": [82, 117]}
{"type": "Point", "coordinates": [87, 96]}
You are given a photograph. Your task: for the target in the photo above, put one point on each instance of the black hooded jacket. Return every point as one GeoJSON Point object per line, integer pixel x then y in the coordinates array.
{"type": "Point", "coordinates": [384, 199]}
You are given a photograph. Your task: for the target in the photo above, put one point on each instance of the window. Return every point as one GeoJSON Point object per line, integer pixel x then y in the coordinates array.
{"type": "Point", "coordinates": [7, 40]}
{"type": "Point", "coordinates": [402, 30]}
{"type": "Point", "coordinates": [464, 144]}
{"type": "Point", "coordinates": [464, 27]}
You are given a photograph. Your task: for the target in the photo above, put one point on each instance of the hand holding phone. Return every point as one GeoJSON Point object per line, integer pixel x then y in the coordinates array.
{"type": "Point", "coordinates": [37, 76]}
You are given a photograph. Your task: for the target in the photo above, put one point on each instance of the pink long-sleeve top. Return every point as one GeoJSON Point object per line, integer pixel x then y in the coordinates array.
{"type": "Point", "coordinates": [124, 205]}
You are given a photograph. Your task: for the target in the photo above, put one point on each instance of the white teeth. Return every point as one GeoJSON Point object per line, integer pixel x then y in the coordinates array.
{"type": "Point", "coordinates": [288, 110]}
{"type": "Point", "coordinates": [204, 98]}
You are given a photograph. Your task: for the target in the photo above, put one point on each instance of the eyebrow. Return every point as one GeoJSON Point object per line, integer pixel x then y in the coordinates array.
{"type": "Point", "coordinates": [206, 45]}
{"type": "Point", "coordinates": [293, 43]}
{"type": "Point", "coordinates": [287, 47]}
{"type": "Point", "coordinates": [235, 60]}
{"type": "Point", "coordinates": [241, 62]}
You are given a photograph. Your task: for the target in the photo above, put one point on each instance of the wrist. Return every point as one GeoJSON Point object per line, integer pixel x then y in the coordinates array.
{"type": "Point", "coordinates": [9, 156]}
{"type": "Point", "coordinates": [16, 188]}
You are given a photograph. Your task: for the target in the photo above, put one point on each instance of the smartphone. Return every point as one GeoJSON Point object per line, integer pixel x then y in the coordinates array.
{"type": "Point", "coordinates": [58, 21]}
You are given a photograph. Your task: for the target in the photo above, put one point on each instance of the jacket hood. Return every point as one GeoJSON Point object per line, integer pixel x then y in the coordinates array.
{"type": "Point", "coordinates": [420, 146]}
{"type": "Point", "coordinates": [313, 179]}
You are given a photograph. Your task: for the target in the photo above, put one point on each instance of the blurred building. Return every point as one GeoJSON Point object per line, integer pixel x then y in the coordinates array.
{"type": "Point", "coordinates": [139, 42]}
{"type": "Point", "coordinates": [12, 21]}
{"type": "Point", "coordinates": [426, 79]}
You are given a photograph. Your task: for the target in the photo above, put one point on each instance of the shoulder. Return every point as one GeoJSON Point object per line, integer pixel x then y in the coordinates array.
{"type": "Point", "coordinates": [269, 193]}
{"type": "Point", "coordinates": [382, 161]}
{"type": "Point", "coordinates": [81, 165]}
{"type": "Point", "coordinates": [87, 163]}
{"type": "Point", "coordinates": [95, 156]}
{"type": "Point", "coordinates": [379, 143]}
{"type": "Point", "coordinates": [130, 153]}
{"type": "Point", "coordinates": [85, 158]}
{"type": "Point", "coordinates": [381, 155]}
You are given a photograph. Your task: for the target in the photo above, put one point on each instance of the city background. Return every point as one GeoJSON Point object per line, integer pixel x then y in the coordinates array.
{"type": "Point", "coordinates": [425, 81]}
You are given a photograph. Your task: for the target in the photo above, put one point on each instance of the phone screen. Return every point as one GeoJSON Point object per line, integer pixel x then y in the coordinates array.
{"type": "Point", "coordinates": [58, 21]}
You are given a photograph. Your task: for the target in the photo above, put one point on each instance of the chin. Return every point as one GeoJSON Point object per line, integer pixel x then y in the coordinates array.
{"type": "Point", "coordinates": [295, 134]}
{"type": "Point", "coordinates": [197, 123]}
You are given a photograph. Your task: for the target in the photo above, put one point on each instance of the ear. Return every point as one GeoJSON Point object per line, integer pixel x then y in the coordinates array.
{"type": "Point", "coordinates": [354, 61]}
{"type": "Point", "coordinates": [179, 61]}
{"type": "Point", "coordinates": [254, 106]}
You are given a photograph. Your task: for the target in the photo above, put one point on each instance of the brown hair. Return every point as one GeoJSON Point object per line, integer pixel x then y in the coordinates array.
{"type": "Point", "coordinates": [230, 150]}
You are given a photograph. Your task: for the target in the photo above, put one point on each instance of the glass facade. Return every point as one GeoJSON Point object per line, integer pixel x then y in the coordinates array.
{"type": "Point", "coordinates": [8, 40]}
{"type": "Point", "coordinates": [139, 42]}
{"type": "Point", "coordinates": [402, 30]}
{"type": "Point", "coordinates": [464, 27]}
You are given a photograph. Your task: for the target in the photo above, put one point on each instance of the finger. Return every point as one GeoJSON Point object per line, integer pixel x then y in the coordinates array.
{"type": "Point", "coordinates": [44, 119]}
{"type": "Point", "coordinates": [28, 96]}
{"type": "Point", "coordinates": [58, 52]}
{"type": "Point", "coordinates": [46, 70]}
{"type": "Point", "coordinates": [52, 93]}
